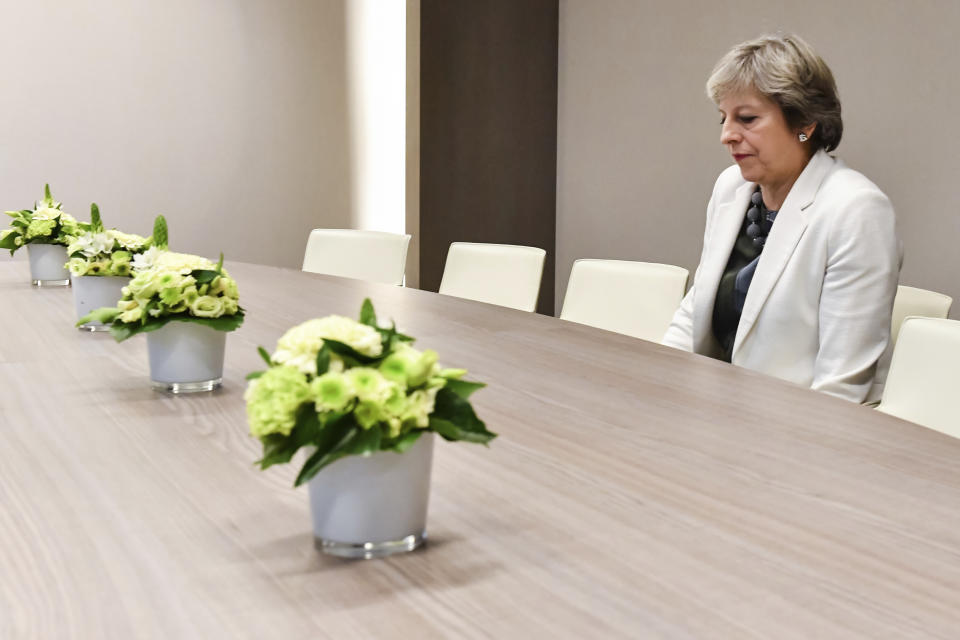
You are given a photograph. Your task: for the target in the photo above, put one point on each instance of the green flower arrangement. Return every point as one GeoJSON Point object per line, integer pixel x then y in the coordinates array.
{"type": "Point", "coordinates": [342, 387]}
{"type": "Point", "coordinates": [172, 287]}
{"type": "Point", "coordinates": [109, 252]}
{"type": "Point", "coordinates": [46, 223]}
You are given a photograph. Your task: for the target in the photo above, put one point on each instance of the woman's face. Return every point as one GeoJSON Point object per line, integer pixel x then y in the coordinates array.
{"type": "Point", "coordinates": [757, 136]}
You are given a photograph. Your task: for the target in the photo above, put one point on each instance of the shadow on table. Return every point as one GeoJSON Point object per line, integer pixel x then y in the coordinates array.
{"type": "Point", "coordinates": [446, 561]}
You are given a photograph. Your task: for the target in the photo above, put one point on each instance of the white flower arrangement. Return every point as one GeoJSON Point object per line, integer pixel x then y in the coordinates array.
{"type": "Point", "coordinates": [46, 223]}
{"type": "Point", "coordinates": [100, 252]}
{"type": "Point", "coordinates": [343, 387]}
{"type": "Point", "coordinates": [169, 286]}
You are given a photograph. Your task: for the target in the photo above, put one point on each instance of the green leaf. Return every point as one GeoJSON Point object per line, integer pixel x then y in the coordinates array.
{"type": "Point", "coordinates": [346, 351]}
{"type": "Point", "coordinates": [103, 315]}
{"type": "Point", "coordinates": [445, 428]}
{"type": "Point", "coordinates": [365, 442]}
{"type": "Point", "coordinates": [161, 239]}
{"type": "Point", "coordinates": [96, 224]}
{"type": "Point", "coordinates": [122, 330]}
{"type": "Point", "coordinates": [56, 229]}
{"type": "Point", "coordinates": [407, 440]}
{"type": "Point", "coordinates": [46, 193]}
{"type": "Point", "coordinates": [323, 359]}
{"type": "Point", "coordinates": [279, 449]}
{"type": "Point", "coordinates": [332, 444]}
{"type": "Point", "coordinates": [266, 356]}
{"type": "Point", "coordinates": [390, 335]}
{"type": "Point", "coordinates": [463, 388]}
{"type": "Point", "coordinates": [204, 276]}
{"type": "Point", "coordinates": [453, 432]}
{"type": "Point", "coordinates": [253, 375]}
{"type": "Point", "coordinates": [8, 242]}
{"type": "Point", "coordinates": [223, 323]}
{"type": "Point", "coordinates": [456, 420]}
{"type": "Point", "coordinates": [367, 315]}
{"type": "Point", "coordinates": [404, 338]}
{"type": "Point", "coordinates": [220, 263]}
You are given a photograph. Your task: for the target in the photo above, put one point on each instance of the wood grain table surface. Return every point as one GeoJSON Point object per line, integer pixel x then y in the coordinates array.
{"type": "Point", "coordinates": [634, 492]}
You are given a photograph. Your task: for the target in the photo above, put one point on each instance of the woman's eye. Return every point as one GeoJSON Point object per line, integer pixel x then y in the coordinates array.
{"type": "Point", "coordinates": [747, 119]}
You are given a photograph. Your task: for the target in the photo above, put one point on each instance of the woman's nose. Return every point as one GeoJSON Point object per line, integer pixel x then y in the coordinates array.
{"type": "Point", "coordinates": [728, 133]}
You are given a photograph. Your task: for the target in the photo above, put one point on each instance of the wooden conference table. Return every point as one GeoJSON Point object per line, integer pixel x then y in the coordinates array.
{"type": "Point", "coordinates": [634, 491]}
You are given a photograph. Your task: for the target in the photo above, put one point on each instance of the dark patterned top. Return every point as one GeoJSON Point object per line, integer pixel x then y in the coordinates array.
{"type": "Point", "coordinates": [732, 291]}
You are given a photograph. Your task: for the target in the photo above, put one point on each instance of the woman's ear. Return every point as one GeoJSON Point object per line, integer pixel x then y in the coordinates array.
{"type": "Point", "coordinates": [807, 132]}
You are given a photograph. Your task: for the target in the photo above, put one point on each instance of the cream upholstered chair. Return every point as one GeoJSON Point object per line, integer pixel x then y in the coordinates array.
{"type": "Point", "coordinates": [374, 256]}
{"type": "Point", "coordinates": [924, 377]}
{"type": "Point", "coordinates": [502, 274]}
{"type": "Point", "coordinates": [917, 302]}
{"type": "Point", "coordinates": [634, 298]}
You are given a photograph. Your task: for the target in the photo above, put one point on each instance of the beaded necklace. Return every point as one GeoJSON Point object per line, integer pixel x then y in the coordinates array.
{"type": "Point", "coordinates": [761, 220]}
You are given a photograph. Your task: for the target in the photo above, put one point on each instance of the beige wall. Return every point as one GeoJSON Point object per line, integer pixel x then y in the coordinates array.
{"type": "Point", "coordinates": [639, 141]}
{"type": "Point", "coordinates": [228, 116]}
{"type": "Point", "coordinates": [412, 191]}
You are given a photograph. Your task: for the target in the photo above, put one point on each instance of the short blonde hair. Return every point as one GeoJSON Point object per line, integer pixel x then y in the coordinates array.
{"type": "Point", "coordinates": [787, 71]}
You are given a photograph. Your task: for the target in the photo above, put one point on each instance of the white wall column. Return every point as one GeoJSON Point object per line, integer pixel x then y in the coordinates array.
{"type": "Point", "coordinates": [376, 72]}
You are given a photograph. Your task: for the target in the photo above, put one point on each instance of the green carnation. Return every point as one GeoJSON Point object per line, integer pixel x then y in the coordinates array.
{"type": "Point", "coordinates": [422, 368]}
{"type": "Point", "coordinates": [395, 366]}
{"type": "Point", "coordinates": [69, 228]}
{"type": "Point", "coordinates": [40, 228]}
{"type": "Point", "coordinates": [394, 426]}
{"type": "Point", "coordinates": [409, 367]}
{"type": "Point", "coordinates": [396, 403]}
{"type": "Point", "coordinates": [78, 266]}
{"type": "Point", "coordinates": [332, 391]}
{"type": "Point", "coordinates": [170, 296]}
{"type": "Point", "coordinates": [368, 414]}
{"type": "Point", "coordinates": [420, 405]}
{"type": "Point", "coordinates": [169, 280]}
{"type": "Point", "coordinates": [369, 384]}
{"type": "Point", "coordinates": [273, 400]}
{"type": "Point", "coordinates": [143, 286]}
{"type": "Point", "coordinates": [98, 268]}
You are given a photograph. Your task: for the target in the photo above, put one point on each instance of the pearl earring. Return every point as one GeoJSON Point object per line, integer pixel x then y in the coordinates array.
{"type": "Point", "coordinates": [803, 137]}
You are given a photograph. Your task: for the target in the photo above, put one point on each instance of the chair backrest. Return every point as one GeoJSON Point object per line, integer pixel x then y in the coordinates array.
{"type": "Point", "coordinates": [634, 298]}
{"type": "Point", "coordinates": [917, 302]}
{"type": "Point", "coordinates": [374, 256]}
{"type": "Point", "coordinates": [502, 274]}
{"type": "Point", "coordinates": [924, 378]}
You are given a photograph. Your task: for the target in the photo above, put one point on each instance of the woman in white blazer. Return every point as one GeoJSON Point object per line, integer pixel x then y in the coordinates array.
{"type": "Point", "coordinates": [800, 257]}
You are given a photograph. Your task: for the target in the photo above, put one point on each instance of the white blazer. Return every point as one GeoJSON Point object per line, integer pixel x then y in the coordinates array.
{"type": "Point", "coordinates": [818, 309]}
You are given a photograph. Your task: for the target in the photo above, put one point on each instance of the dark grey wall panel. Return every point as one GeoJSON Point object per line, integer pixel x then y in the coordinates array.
{"type": "Point", "coordinates": [488, 129]}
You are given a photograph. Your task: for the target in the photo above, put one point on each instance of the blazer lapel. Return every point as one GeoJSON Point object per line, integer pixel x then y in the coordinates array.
{"type": "Point", "coordinates": [783, 239]}
{"type": "Point", "coordinates": [726, 226]}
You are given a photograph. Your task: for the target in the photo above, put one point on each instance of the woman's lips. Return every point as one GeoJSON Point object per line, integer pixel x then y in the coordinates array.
{"type": "Point", "coordinates": [740, 156]}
